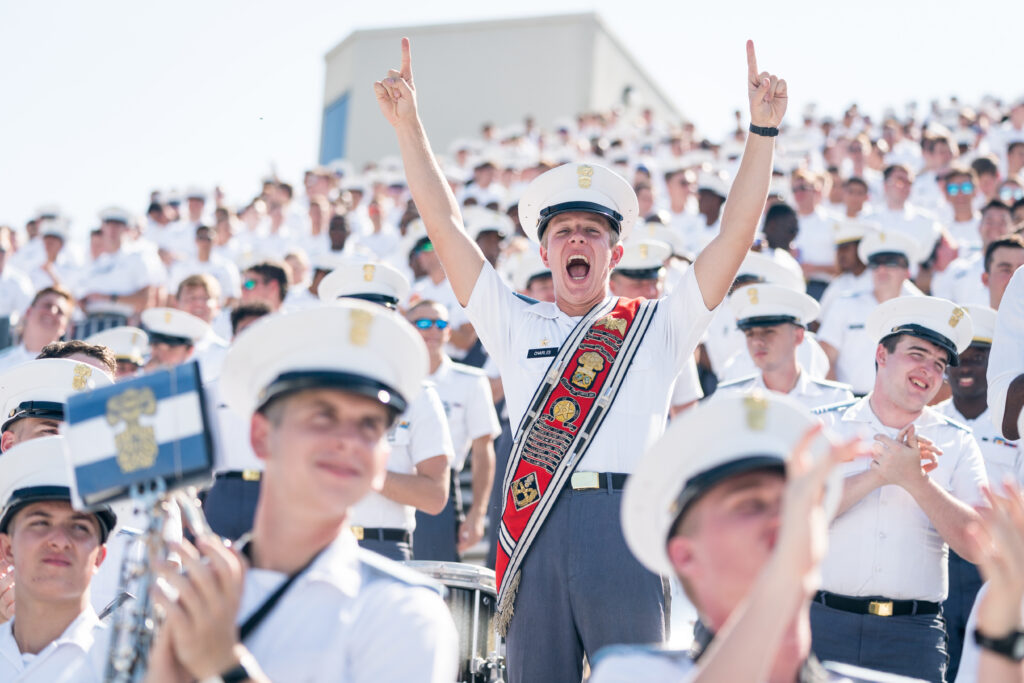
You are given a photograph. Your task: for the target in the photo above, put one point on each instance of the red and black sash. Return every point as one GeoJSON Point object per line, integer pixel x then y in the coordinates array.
{"type": "Point", "coordinates": [564, 415]}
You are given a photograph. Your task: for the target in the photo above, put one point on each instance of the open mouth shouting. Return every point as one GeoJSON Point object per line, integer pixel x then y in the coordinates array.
{"type": "Point", "coordinates": [578, 267]}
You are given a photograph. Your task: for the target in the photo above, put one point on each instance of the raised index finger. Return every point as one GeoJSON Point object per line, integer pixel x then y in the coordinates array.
{"type": "Point", "coordinates": [752, 72]}
{"type": "Point", "coordinates": [406, 60]}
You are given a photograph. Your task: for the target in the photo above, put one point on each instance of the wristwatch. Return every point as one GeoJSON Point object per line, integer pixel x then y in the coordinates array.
{"type": "Point", "coordinates": [246, 670]}
{"type": "Point", "coordinates": [765, 131]}
{"type": "Point", "coordinates": [1010, 645]}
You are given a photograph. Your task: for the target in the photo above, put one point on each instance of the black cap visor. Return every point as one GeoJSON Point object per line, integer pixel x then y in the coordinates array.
{"type": "Point", "coordinates": [701, 483]}
{"type": "Point", "coordinates": [44, 410]}
{"type": "Point", "coordinates": [766, 321]}
{"type": "Point", "coordinates": [38, 494]}
{"type": "Point", "coordinates": [546, 214]}
{"type": "Point", "coordinates": [921, 332]}
{"type": "Point", "coordinates": [301, 380]}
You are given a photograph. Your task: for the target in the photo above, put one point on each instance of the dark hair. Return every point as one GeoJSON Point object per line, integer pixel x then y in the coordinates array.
{"type": "Point", "coordinates": [1014, 241]}
{"type": "Point", "coordinates": [994, 205]}
{"type": "Point", "coordinates": [255, 309]}
{"type": "Point", "coordinates": [287, 189]}
{"type": "Point", "coordinates": [985, 166]}
{"type": "Point", "coordinates": [855, 180]}
{"type": "Point", "coordinates": [896, 167]}
{"type": "Point", "coordinates": [777, 211]}
{"type": "Point", "coordinates": [272, 270]}
{"type": "Point", "coordinates": [1014, 145]}
{"type": "Point", "coordinates": [55, 289]}
{"type": "Point", "coordinates": [64, 349]}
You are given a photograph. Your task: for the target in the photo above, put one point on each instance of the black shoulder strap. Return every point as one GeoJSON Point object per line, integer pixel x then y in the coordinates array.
{"type": "Point", "coordinates": [264, 610]}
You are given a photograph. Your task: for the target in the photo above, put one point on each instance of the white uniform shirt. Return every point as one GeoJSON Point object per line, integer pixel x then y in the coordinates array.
{"type": "Point", "coordinates": [15, 355]}
{"type": "Point", "coordinates": [224, 271]}
{"type": "Point", "coordinates": [884, 545]}
{"type": "Point", "coordinates": [809, 355]}
{"type": "Point", "coordinates": [809, 391]}
{"type": "Point", "coordinates": [509, 327]}
{"type": "Point", "coordinates": [468, 404]}
{"type": "Point", "coordinates": [353, 616]}
{"type": "Point", "coordinates": [1002, 457]}
{"type": "Point", "coordinates": [421, 432]}
{"type": "Point", "coordinates": [910, 221]}
{"type": "Point", "coordinates": [123, 273]}
{"type": "Point", "coordinates": [1006, 359]}
{"type": "Point", "coordinates": [16, 292]}
{"type": "Point", "coordinates": [848, 283]}
{"type": "Point", "coordinates": [815, 240]}
{"type": "Point", "coordinates": [687, 388]}
{"type": "Point", "coordinates": [69, 654]}
{"type": "Point", "coordinates": [961, 281]}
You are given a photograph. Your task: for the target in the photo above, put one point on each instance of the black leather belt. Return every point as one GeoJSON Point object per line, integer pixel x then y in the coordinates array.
{"type": "Point", "coordinates": [585, 481]}
{"type": "Point", "coordinates": [245, 475]}
{"type": "Point", "coordinates": [365, 534]}
{"type": "Point", "coordinates": [880, 607]}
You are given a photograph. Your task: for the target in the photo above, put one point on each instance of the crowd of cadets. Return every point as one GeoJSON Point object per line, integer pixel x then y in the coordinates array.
{"type": "Point", "coordinates": [861, 211]}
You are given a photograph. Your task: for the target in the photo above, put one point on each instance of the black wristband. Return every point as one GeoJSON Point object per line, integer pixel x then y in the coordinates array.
{"type": "Point", "coordinates": [766, 132]}
{"type": "Point", "coordinates": [1010, 646]}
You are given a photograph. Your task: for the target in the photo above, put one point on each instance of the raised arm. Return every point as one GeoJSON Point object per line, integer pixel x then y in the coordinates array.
{"type": "Point", "coordinates": [461, 258]}
{"type": "Point", "coordinates": [716, 266]}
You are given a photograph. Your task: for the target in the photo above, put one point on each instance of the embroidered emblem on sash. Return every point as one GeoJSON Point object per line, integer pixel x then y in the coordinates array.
{"type": "Point", "coordinates": [525, 491]}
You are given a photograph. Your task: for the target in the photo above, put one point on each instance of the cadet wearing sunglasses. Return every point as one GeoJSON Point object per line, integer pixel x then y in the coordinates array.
{"type": "Point", "coordinates": [959, 184]}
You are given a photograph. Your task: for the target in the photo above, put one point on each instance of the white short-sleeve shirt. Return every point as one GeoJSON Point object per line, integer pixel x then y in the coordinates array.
{"type": "Point", "coordinates": [1006, 359]}
{"type": "Point", "coordinates": [809, 391]}
{"type": "Point", "coordinates": [510, 327]}
{"type": "Point", "coordinates": [466, 397]}
{"type": "Point", "coordinates": [885, 545]}
{"type": "Point", "coordinates": [68, 656]}
{"type": "Point", "coordinates": [420, 433]}
{"type": "Point", "coordinates": [1002, 457]}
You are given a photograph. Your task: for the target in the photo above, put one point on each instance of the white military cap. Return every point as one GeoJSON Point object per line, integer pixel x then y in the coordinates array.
{"type": "Point", "coordinates": [350, 345]}
{"type": "Point", "coordinates": [643, 259]}
{"type": "Point", "coordinates": [39, 388]}
{"type": "Point", "coordinates": [983, 321]}
{"type": "Point", "coordinates": [116, 214]}
{"type": "Point", "coordinates": [54, 227]}
{"type": "Point", "coordinates": [713, 181]}
{"type": "Point", "coordinates": [882, 246]}
{"type": "Point", "coordinates": [173, 326]}
{"type": "Point", "coordinates": [48, 211]}
{"type": "Point", "coordinates": [711, 443]}
{"type": "Point", "coordinates": [530, 265]}
{"type": "Point", "coordinates": [758, 267]}
{"type": "Point", "coordinates": [195, 192]}
{"type": "Point", "coordinates": [846, 230]}
{"type": "Point", "coordinates": [760, 305]}
{"type": "Point", "coordinates": [656, 230]}
{"type": "Point", "coordinates": [377, 282]}
{"type": "Point", "coordinates": [479, 220]}
{"type": "Point", "coordinates": [38, 470]}
{"type": "Point", "coordinates": [328, 260]}
{"type": "Point", "coordinates": [578, 187]}
{"type": "Point", "coordinates": [127, 343]}
{"type": "Point", "coordinates": [935, 320]}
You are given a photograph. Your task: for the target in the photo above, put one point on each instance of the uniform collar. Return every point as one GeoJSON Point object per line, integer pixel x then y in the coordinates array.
{"type": "Point", "coordinates": [551, 311]}
{"type": "Point", "coordinates": [79, 633]}
{"type": "Point", "coordinates": [861, 412]}
{"type": "Point", "coordinates": [443, 370]}
{"type": "Point", "coordinates": [338, 565]}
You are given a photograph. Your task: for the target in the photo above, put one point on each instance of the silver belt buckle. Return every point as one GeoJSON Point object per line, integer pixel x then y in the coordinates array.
{"type": "Point", "coordinates": [583, 481]}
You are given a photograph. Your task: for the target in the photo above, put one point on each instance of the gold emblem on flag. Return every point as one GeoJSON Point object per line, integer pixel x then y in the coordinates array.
{"type": "Point", "coordinates": [359, 327]}
{"type": "Point", "coordinates": [752, 295]}
{"type": "Point", "coordinates": [587, 367]}
{"type": "Point", "coordinates": [958, 315]}
{"type": "Point", "coordinates": [757, 412]}
{"type": "Point", "coordinates": [81, 378]}
{"type": "Point", "coordinates": [585, 174]}
{"type": "Point", "coordinates": [612, 323]}
{"type": "Point", "coordinates": [136, 445]}
{"type": "Point", "coordinates": [525, 491]}
{"type": "Point", "coordinates": [368, 271]}
{"type": "Point", "coordinates": [564, 410]}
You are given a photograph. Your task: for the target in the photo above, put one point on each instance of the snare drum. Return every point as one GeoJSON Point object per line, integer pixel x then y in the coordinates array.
{"type": "Point", "coordinates": [471, 597]}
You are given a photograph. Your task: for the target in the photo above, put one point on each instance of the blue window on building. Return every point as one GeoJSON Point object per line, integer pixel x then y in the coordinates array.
{"type": "Point", "coordinates": [332, 137]}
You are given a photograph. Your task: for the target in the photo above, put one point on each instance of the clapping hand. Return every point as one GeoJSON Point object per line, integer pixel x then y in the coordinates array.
{"type": "Point", "coordinates": [767, 92]}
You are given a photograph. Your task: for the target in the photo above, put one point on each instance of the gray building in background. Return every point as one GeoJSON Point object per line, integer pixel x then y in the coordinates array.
{"type": "Point", "coordinates": [470, 73]}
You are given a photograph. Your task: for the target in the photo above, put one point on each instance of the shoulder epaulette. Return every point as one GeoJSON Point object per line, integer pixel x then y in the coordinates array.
{"type": "Point", "coordinates": [736, 382]}
{"type": "Point", "coordinates": [833, 407]}
{"type": "Point", "coordinates": [525, 298]}
{"type": "Point", "coordinates": [955, 423]}
{"type": "Point", "coordinates": [382, 566]}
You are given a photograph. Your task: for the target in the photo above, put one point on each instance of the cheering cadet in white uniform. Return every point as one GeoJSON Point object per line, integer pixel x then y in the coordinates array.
{"type": "Point", "coordinates": [1006, 362]}
{"type": "Point", "coordinates": [774, 320]}
{"type": "Point", "coordinates": [579, 588]}
{"type": "Point", "coordinates": [321, 386]}
{"type": "Point", "coordinates": [421, 446]}
{"type": "Point", "coordinates": [969, 407]}
{"type": "Point", "coordinates": [120, 280]}
{"type": "Point", "coordinates": [730, 502]}
{"type": "Point", "coordinates": [886, 571]}
{"type": "Point", "coordinates": [466, 396]}
{"type": "Point", "coordinates": [55, 551]}
{"type": "Point", "coordinates": [843, 332]}
{"type": "Point", "coordinates": [173, 335]}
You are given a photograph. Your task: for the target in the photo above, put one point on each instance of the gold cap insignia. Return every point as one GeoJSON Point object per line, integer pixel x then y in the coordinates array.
{"type": "Point", "coordinates": [643, 251]}
{"type": "Point", "coordinates": [757, 412]}
{"type": "Point", "coordinates": [585, 175]}
{"type": "Point", "coordinates": [881, 237]}
{"type": "Point", "coordinates": [752, 295]}
{"type": "Point", "coordinates": [167, 316]}
{"type": "Point", "coordinates": [81, 378]}
{"type": "Point", "coordinates": [368, 271]}
{"type": "Point", "coordinates": [359, 327]}
{"type": "Point", "coordinates": [956, 317]}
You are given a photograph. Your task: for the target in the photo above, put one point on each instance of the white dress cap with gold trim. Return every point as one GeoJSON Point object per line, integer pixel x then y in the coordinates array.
{"type": "Point", "coordinates": [348, 344]}
{"type": "Point", "coordinates": [935, 320]}
{"type": "Point", "coordinates": [578, 187]}
{"type": "Point", "coordinates": [529, 266]}
{"type": "Point", "coordinates": [39, 388]}
{"type": "Point", "coordinates": [48, 211]}
{"type": "Point", "coordinates": [758, 305]}
{"type": "Point", "coordinates": [656, 230]}
{"type": "Point", "coordinates": [376, 281]}
{"type": "Point", "coordinates": [55, 227]}
{"type": "Point", "coordinates": [758, 267]}
{"type": "Point", "coordinates": [708, 444]}
{"type": "Point", "coordinates": [643, 258]}
{"type": "Point", "coordinates": [116, 214]}
{"type": "Point", "coordinates": [714, 181]}
{"type": "Point", "coordinates": [195, 192]}
{"type": "Point", "coordinates": [847, 230]}
{"type": "Point", "coordinates": [880, 242]}
{"type": "Point", "coordinates": [983, 320]}
{"type": "Point", "coordinates": [479, 219]}
{"type": "Point", "coordinates": [173, 324]}
{"type": "Point", "coordinates": [127, 343]}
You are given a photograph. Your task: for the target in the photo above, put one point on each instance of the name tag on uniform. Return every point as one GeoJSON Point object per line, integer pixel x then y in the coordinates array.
{"type": "Point", "coordinates": [856, 326]}
{"type": "Point", "coordinates": [546, 352]}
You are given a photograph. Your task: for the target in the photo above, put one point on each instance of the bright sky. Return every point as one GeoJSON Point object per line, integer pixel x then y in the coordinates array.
{"type": "Point", "coordinates": [104, 101]}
